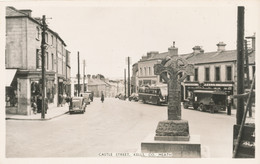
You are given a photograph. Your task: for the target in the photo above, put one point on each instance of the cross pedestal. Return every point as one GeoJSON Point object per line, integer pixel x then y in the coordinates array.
{"type": "Point", "coordinates": [172, 135]}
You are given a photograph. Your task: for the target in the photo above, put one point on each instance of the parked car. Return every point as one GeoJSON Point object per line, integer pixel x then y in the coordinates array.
{"type": "Point", "coordinates": [134, 96]}
{"type": "Point", "coordinates": [118, 95]}
{"type": "Point", "coordinates": [77, 105]}
{"type": "Point", "coordinates": [206, 100]}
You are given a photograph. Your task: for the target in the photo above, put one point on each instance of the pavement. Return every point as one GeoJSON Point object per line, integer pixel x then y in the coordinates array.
{"type": "Point", "coordinates": [53, 112]}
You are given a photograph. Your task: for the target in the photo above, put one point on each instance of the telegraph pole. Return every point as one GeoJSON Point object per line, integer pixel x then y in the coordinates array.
{"type": "Point", "coordinates": [240, 63]}
{"type": "Point", "coordinates": [43, 45]}
{"type": "Point", "coordinates": [128, 76]}
{"type": "Point", "coordinates": [125, 81]}
{"type": "Point", "coordinates": [84, 75]}
{"type": "Point", "coordinates": [78, 76]}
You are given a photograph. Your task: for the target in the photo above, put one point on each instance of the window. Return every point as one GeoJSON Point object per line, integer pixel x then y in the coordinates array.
{"type": "Point", "coordinates": [229, 73]}
{"type": "Point", "coordinates": [141, 72]}
{"type": "Point", "coordinates": [38, 59]}
{"type": "Point", "coordinates": [46, 38]}
{"type": "Point", "coordinates": [149, 70]}
{"type": "Point", "coordinates": [52, 61]}
{"type": "Point", "coordinates": [47, 61]}
{"type": "Point", "coordinates": [253, 67]}
{"type": "Point", "coordinates": [196, 74]}
{"type": "Point", "coordinates": [51, 39]}
{"type": "Point", "coordinates": [37, 33]}
{"type": "Point", "coordinates": [188, 78]}
{"type": "Point", "coordinates": [207, 74]}
{"type": "Point", "coordinates": [144, 71]}
{"type": "Point", "coordinates": [217, 73]}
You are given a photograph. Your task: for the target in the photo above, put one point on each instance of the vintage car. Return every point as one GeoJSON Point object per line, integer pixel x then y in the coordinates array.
{"type": "Point", "coordinates": [77, 105]}
{"type": "Point", "coordinates": [206, 100]}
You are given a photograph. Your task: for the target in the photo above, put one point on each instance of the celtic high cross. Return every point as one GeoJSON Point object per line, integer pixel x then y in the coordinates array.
{"type": "Point", "coordinates": [174, 126]}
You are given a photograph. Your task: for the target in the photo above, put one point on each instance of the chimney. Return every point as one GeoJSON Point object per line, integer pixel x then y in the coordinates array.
{"type": "Point", "coordinates": [173, 51]}
{"type": "Point", "coordinates": [221, 46]}
{"type": "Point", "coordinates": [197, 49]}
{"type": "Point", "coordinates": [144, 57]}
{"type": "Point", "coordinates": [151, 54]}
{"type": "Point", "coordinates": [27, 12]}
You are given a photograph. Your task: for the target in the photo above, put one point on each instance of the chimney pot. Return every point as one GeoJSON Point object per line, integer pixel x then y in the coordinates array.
{"type": "Point", "coordinates": [221, 46]}
{"type": "Point", "coordinates": [173, 51]}
{"type": "Point", "coordinates": [197, 49]}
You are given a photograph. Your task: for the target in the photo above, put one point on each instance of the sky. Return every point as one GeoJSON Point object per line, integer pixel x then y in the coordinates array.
{"type": "Point", "coordinates": [105, 34]}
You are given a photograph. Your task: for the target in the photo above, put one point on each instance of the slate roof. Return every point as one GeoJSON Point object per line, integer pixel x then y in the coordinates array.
{"type": "Point", "coordinates": [217, 57]}
{"type": "Point", "coordinates": [13, 12]}
{"type": "Point", "coordinates": [207, 57]}
{"type": "Point", "coordinates": [96, 82]}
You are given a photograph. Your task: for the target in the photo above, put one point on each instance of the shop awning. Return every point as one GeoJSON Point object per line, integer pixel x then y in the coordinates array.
{"type": "Point", "coordinates": [9, 76]}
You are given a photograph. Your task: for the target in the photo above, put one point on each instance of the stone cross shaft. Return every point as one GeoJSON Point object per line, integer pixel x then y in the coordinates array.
{"type": "Point", "coordinates": [174, 67]}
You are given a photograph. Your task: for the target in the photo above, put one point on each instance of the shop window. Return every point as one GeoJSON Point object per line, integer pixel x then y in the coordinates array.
{"type": "Point", "coordinates": [229, 73]}
{"type": "Point", "coordinates": [207, 74]}
{"type": "Point", "coordinates": [217, 73]}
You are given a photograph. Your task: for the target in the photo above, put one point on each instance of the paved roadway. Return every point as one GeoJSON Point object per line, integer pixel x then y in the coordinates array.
{"type": "Point", "coordinates": [112, 126]}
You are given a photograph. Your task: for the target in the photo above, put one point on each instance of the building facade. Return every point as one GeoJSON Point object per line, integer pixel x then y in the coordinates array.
{"type": "Point", "coordinates": [23, 56]}
{"type": "Point", "coordinates": [217, 70]}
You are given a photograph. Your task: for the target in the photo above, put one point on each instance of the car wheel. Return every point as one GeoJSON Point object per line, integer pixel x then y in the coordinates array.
{"type": "Point", "coordinates": [158, 102]}
{"type": "Point", "coordinates": [201, 108]}
{"type": "Point", "coordinates": [185, 106]}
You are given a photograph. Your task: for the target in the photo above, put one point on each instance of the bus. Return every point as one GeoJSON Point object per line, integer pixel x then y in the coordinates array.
{"type": "Point", "coordinates": [153, 94]}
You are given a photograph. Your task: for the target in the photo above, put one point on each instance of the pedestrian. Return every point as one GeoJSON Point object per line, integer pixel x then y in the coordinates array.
{"type": "Point", "coordinates": [102, 97]}
{"type": "Point", "coordinates": [34, 105]}
{"type": "Point", "coordinates": [39, 103]}
{"type": "Point", "coordinates": [46, 105]}
{"type": "Point", "coordinates": [229, 105]}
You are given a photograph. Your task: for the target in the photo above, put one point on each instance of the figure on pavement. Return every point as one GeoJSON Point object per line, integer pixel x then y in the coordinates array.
{"type": "Point", "coordinates": [102, 97]}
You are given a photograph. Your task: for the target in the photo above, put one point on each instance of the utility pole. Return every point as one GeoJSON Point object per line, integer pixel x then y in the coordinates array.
{"type": "Point", "coordinates": [128, 59]}
{"type": "Point", "coordinates": [240, 63]}
{"type": "Point", "coordinates": [246, 66]}
{"type": "Point", "coordinates": [78, 76]}
{"type": "Point", "coordinates": [125, 81]}
{"type": "Point", "coordinates": [43, 46]}
{"type": "Point", "coordinates": [84, 75]}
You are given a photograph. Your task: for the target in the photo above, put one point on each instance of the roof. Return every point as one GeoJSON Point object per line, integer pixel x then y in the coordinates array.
{"type": "Point", "coordinates": [96, 82]}
{"type": "Point", "coordinates": [12, 12]}
{"type": "Point", "coordinates": [207, 57]}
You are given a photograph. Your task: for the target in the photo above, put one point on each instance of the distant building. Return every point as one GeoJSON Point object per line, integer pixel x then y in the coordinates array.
{"type": "Point", "coordinates": [23, 62]}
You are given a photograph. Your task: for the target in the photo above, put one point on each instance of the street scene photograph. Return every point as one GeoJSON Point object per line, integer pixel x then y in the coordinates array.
{"type": "Point", "coordinates": [130, 81]}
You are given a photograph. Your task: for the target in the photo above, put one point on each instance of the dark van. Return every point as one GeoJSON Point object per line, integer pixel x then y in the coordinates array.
{"type": "Point", "coordinates": [206, 100]}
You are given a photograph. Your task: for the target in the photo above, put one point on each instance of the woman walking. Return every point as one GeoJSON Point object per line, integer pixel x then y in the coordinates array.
{"type": "Point", "coordinates": [102, 97]}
